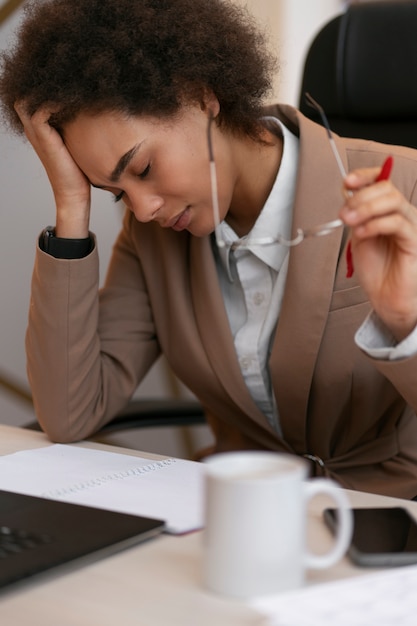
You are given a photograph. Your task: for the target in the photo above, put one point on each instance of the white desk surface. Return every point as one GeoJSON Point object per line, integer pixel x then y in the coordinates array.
{"type": "Point", "coordinates": [154, 584]}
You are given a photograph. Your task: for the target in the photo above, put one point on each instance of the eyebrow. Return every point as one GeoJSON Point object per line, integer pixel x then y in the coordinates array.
{"type": "Point", "coordinates": [123, 162]}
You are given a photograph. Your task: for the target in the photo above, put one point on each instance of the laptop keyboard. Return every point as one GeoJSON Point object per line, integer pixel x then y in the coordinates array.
{"type": "Point", "coordinates": [15, 541]}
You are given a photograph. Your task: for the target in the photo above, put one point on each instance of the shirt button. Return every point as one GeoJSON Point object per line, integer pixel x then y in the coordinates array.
{"type": "Point", "coordinates": [245, 362]}
{"type": "Point", "coordinates": [258, 298]}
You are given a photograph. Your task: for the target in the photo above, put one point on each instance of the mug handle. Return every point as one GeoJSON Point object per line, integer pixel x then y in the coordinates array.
{"type": "Point", "coordinates": [344, 527]}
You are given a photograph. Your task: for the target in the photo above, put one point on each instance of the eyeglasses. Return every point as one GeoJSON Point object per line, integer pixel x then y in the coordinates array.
{"type": "Point", "coordinates": [246, 242]}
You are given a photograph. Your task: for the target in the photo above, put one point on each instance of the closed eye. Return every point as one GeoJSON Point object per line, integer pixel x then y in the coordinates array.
{"type": "Point", "coordinates": [118, 197]}
{"type": "Point", "coordinates": [145, 172]}
{"type": "Point", "coordinates": [142, 176]}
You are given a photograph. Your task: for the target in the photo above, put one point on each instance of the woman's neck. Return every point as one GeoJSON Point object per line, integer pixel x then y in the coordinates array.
{"type": "Point", "coordinates": [258, 165]}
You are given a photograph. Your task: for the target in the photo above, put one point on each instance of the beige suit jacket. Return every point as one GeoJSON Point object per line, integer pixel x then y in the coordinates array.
{"type": "Point", "coordinates": [88, 352]}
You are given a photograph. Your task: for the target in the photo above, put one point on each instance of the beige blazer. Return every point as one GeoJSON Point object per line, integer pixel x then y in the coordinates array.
{"type": "Point", "coordinates": [88, 352]}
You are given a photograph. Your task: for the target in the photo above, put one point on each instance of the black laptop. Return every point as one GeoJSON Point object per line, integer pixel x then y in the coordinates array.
{"type": "Point", "coordinates": [37, 534]}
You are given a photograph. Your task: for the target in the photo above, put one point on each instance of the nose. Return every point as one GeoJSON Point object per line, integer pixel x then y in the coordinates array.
{"type": "Point", "coordinates": [144, 207]}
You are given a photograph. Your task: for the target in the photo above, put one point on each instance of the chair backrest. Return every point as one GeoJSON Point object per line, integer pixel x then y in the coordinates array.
{"type": "Point", "coordinates": [362, 69]}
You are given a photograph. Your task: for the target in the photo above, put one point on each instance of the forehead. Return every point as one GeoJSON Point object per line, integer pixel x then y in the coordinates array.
{"type": "Point", "coordinates": [109, 129]}
{"type": "Point", "coordinates": [97, 141]}
{"type": "Point", "coordinates": [103, 126]}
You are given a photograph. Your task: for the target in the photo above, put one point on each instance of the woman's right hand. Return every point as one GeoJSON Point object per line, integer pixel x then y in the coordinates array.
{"type": "Point", "coordinates": [71, 188]}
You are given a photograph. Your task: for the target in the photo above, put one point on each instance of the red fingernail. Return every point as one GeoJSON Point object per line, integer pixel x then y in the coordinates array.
{"type": "Point", "coordinates": [349, 260]}
{"type": "Point", "coordinates": [385, 169]}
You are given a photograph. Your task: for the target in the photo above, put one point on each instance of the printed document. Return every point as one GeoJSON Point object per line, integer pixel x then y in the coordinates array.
{"type": "Point", "coordinates": [169, 489]}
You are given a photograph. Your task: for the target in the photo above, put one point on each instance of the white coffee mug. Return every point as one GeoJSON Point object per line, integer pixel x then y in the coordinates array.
{"type": "Point", "coordinates": [255, 519]}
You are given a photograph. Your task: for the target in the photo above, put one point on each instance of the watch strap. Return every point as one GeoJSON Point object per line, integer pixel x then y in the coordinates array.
{"type": "Point", "coordinates": [63, 248]}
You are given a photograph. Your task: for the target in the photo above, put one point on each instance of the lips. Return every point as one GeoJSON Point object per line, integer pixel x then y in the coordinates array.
{"type": "Point", "coordinates": [182, 221]}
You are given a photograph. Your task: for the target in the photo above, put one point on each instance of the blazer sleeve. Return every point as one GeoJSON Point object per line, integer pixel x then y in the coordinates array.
{"type": "Point", "coordinates": [87, 350]}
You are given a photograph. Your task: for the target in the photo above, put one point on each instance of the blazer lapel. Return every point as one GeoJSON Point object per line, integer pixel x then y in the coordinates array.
{"type": "Point", "coordinates": [309, 285]}
{"type": "Point", "coordinates": [214, 328]}
{"type": "Point", "coordinates": [307, 296]}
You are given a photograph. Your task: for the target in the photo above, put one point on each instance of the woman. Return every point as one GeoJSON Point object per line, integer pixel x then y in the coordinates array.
{"type": "Point", "coordinates": [120, 94]}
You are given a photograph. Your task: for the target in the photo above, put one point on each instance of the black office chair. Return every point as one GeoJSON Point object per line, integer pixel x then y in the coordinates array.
{"type": "Point", "coordinates": [362, 69]}
{"type": "Point", "coordinates": [152, 412]}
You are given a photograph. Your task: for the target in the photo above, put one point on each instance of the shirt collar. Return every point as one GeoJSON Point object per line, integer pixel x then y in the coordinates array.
{"type": "Point", "coordinates": [276, 215]}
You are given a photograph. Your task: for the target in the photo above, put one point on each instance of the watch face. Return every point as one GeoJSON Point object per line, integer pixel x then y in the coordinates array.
{"type": "Point", "coordinates": [47, 234]}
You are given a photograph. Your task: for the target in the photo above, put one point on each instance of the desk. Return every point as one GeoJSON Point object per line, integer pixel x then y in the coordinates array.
{"type": "Point", "coordinates": [154, 584]}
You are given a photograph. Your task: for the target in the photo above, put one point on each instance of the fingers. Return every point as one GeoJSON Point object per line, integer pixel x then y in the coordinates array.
{"type": "Point", "coordinates": [370, 202]}
{"type": "Point", "coordinates": [41, 115]}
{"type": "Point", "coordinates": [377, 208]}
{"type": "Point", "coordinates": [383, 242]}
{"type": "Point", "coordinates": [20, 109]}
{"type": "Point", "coordinates": [361, 178]}
{"type": "Point", "coordinates": [70, 186]}
{"type": "Point", "coordinates": [36, 126]}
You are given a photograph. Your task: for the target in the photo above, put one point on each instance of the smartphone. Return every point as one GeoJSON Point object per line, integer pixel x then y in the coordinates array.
{"type": "Point", "coordinates": [382, 537]}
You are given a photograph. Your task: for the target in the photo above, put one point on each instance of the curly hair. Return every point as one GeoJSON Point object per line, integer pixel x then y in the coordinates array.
{"type": "Point", "coordinates": [141, 57]}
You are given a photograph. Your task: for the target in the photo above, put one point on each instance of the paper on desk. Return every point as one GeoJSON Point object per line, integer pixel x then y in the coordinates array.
{"type": "Point", "coordinates": [169, 489]}
{"type": "Point", "coordinates": [381, 598]}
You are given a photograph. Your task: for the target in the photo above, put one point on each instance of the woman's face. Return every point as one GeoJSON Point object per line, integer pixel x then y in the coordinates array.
{"type": "Point", "coordinates": [159, 168]}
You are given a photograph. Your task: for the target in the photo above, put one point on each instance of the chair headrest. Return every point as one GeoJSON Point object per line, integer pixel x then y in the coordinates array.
{"type": "Point", "coordinates": [376, 61]}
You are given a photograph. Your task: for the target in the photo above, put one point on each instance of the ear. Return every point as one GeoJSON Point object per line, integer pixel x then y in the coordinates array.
{"type": "Point", "coordinates": [210, 103]}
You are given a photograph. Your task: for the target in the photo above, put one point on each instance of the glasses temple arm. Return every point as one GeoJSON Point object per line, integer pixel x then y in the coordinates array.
{"type": "Point", "coordinates": [214, 191]}
{"type": "Point", "coordinates": [315, 105]}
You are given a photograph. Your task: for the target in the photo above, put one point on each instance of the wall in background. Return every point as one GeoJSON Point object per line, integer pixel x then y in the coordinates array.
{"type": "Point", "coordinates": [291, 26]}
{"type": "Point", "coordinates": [27, 204]}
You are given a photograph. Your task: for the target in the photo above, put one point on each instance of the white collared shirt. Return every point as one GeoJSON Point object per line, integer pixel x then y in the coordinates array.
{"type": "Point", "coordinates": [376, 340]}
{"type": "Point", "coordinates": [253, 281]}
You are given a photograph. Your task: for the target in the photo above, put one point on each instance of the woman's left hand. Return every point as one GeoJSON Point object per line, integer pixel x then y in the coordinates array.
{"type": "Point", "coordinates": [384, 247]}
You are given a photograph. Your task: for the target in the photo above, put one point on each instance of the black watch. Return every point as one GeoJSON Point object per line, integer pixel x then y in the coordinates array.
{"type": "Point", "coordinates": [62, 248]}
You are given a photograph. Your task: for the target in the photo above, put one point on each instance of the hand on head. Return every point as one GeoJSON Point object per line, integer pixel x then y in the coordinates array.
{"type": "Point", "coordinates": [70, 187]}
